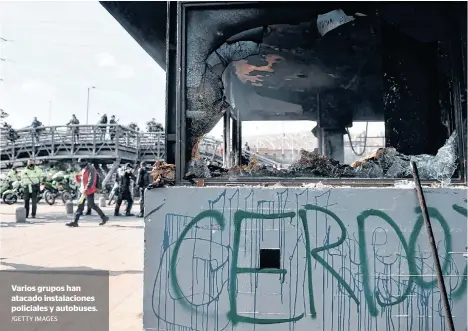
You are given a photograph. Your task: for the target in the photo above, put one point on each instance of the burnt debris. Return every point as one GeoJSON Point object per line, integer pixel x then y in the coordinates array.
{"type": "Point", "coordinates": [383, 163]}
{"type": "Point", "coordinates": [163, 174]}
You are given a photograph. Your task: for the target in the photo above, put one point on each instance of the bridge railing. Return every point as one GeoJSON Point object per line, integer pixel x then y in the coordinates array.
{"type": "Point", "coordinates": [71, 134]}
{"type": "Point", "coordinates": [115, 136]}
{"type": "Point", "coordinates": [92, 137]}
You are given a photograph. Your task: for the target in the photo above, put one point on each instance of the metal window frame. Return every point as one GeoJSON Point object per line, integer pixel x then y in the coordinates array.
{"type": "Point", "coordinates": [176, 136]}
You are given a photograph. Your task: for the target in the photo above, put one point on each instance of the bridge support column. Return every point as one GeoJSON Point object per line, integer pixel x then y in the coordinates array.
{"type": "Point", "coordinates": [227, 140]}
{"type": "Point", "coordinates": [113, 169]}
{"type": "Point", "coordinates": [237, 139]}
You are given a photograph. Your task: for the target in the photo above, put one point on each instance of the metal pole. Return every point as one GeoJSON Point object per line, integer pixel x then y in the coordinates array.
{"type": "Point", "coordinates": [319, 127]}
{"type": "Point", "coordinates": [50, 111]}
{"type": "Point", "coordinates": [87, 107]}
{"type": "Point", "coordinates": [430, 234]}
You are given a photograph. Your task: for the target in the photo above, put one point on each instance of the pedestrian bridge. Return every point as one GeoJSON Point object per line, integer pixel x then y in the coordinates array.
{"type": "Point", "coordinates": [105, 144]}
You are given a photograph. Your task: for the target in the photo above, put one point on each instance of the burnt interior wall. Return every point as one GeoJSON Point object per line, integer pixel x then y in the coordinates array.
{"type": "Point", "coordinates": [409, 53]}
{"type": "Point", "coordinates": [412, 114]}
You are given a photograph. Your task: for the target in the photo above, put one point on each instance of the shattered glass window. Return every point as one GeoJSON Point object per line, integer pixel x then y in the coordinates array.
{"type": "Point", "coordinates": [372, 93]}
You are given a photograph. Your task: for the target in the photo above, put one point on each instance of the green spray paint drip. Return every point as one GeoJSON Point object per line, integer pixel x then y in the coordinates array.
{"type": "Point", "coordinates": [368, 293]}
{"type": "Point", "coordinates": [434, 215]}
{"type": "Point", "coordinates": [340, 241]}
{"type": "Point", "coordinates": [219, 218]}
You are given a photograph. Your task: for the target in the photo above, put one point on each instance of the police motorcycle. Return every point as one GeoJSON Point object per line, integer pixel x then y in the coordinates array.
{"type": "Point", "coordinates": [16, 193]}
{"type": "Point", "coordinates": [60, 185]}
{"type": "Point", "coordinates": [69, 188]}
{"type": "Point", "coordinates": [5, 184]}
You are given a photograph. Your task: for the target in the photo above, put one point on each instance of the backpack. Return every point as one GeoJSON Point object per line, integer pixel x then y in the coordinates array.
{"type": "Point", "coordinates": [98, 181]}
{"type": "Point", "coordinates": [144, 179]}
{"type": "Point", "coordinates": [148, 178]}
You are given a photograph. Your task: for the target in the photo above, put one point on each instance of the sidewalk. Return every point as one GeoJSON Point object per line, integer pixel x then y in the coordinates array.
{"type": "Point", "coordinates": [46, 243]}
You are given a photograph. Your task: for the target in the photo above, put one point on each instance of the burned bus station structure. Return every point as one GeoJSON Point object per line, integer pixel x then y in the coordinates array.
{"type": "Point", "coordinates": [321, 245]}
{"type": "Point", "coordinates": [332, 63]}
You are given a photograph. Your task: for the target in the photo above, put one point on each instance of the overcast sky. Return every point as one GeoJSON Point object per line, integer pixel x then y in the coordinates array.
{"type": "Point", "coordinates": [57, 50]}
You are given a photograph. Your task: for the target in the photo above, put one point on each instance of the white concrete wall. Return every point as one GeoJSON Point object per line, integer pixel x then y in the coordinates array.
{"type": "Point", "coordinates": [351, 259]}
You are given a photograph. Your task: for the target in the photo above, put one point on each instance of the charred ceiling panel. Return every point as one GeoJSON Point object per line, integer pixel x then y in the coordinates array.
{"type": "Point", "coordinates": [295, 62]}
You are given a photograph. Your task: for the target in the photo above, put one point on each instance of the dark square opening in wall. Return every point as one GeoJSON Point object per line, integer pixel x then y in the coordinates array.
{"type": "Point", "coordinates": [270, 258]}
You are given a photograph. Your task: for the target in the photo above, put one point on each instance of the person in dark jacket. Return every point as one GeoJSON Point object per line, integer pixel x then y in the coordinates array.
{"type": "Point", "coordinates": [125, 178]}
{"type": "Point", "coordinates": [143, 180]}
{"type": "Point", "coordinates": [75, 130]}
{"type": "Point", "coordinates": [89, 180]}
{"type": "Point", "coordinates": [112, 127]}
{"type": "Point", "coordinates": [12, 135]}
{"type": "Point", "coordinates": [103, 126]}
{"type": "Point", "coordinates": [36, 129]}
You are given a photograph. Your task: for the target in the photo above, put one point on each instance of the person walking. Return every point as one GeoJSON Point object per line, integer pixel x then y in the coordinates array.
{"type": "Point", "coordinates": [98, 181]}
{"type": "Point", "coordinates": [143, 180]}
{"type": "Point", "coordinates": [88, 207]}
{"type": "Point", "coordinates": [125, 179]}
{"type": "Point", "coordinates": [88, 189]}
{"type": "Point", "coordinates": [31, 178]}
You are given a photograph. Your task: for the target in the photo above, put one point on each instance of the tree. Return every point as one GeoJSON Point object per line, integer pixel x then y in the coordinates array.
{"type": "Point", "coordinates": [3, 115]}
{"type": "Point", "coordinates": [153, 126]}
{"type": "Point", "coordinates": [134, 126]}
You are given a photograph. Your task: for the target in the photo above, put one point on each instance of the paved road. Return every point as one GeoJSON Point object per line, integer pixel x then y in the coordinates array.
{"type": "Point", "coordinates": [46, 243]}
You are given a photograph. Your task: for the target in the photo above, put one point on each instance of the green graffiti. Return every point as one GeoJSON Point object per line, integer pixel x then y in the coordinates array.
{"type": "Point", "coordinates": [219, 218]}
{"type": "Point", "coordinates": [261, 271]}
{"type": "Point", "coordinates": [305, 224]}
{"type": "Point", "coordinates": [434, 215]}
{"type": "Point", "coordinates": [460, 209]}
{"type": "Point", "coordinates": [233, 316]}
{"type": "Point", "coordinates": [461, 290]}
{"type": "Point", "coordinates": [315, 251]}
{"type": "Point", "coordinates": [373, 298]}
{"type": "Point", "coordinates": [368, 293]}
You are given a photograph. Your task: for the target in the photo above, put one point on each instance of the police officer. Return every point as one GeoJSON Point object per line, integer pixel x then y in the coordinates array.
{"type": "Point", "coordinates": [31, 178]}
{"type": "Point", "coordinates": [143, 180]}
{"type": "Point", "coordinates": [125, 178]}
{"type": "Point", "coordinates": [12, 175]}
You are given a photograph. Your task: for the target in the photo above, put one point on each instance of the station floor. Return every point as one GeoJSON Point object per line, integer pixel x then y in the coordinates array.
{"type": "Point", "coordinates": [46, 243]}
